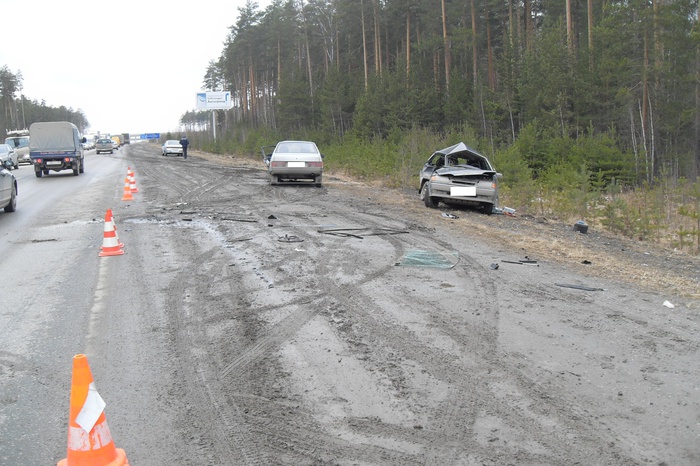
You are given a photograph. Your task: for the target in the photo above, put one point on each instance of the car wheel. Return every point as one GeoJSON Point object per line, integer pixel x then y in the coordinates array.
{"type": "Point", "coordinates": [16, 166]}
{"type": "Point", "coordinates": [430, 201]}
{"type": "Point", "coordinates": [421, 193]}
{"type": "Point", "coordinates": [76, 170]}
{"type": "Point", "coordinates": [319, 181]}
{"type": "Point", "coordinates": [488, 208]}
{"type": "Point", "coordinates": [111, 152]}
{"type": "Point", "coordinates": [82, 166]}
{"type": "Point", "coordinates": [46, 172]}
{"type": "Point", "coordinates": [38, 173]}
{"type": "Point", "coordinates": [274, 180]}
{"type": "Point", "coordinates": [12, 206]}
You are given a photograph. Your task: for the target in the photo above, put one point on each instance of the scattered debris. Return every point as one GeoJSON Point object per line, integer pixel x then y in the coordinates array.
{"type": "Point", "coordinates": [494, 266]}
{"type": "Point", "coordinates": [581, 227]}
{"type": "Point", "coordinates": [243, 238]}
{"type": "Point", "coordinates": [446, 215]}
{"type": "Point", "coordinates": [579, 287]}
{"type": "Point", "coordinates": [272, 217]}
{"type": "Point", "coordinates": [668, 304]}
{"type": "Point", "coordinates": [238, 219]}
{"type": "Point", "coordinates": [431, 259]}
{"type": "Point", "coordinates": [522, 262]}
{"type": "Point", "coordinates": [346, 232]}
{"type": "Point", "coordinates": [508, 211]}
{"type": "Point", "coordinates": [290, 239]}
{"type": "Point", "coordinates": [586, 262]}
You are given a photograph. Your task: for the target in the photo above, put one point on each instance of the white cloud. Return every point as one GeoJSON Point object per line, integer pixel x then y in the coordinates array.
{"type": "Point", "coordinates": [130, 65]}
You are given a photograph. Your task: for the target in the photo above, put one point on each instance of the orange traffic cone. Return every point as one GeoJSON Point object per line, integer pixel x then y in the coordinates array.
{"type": "Point", "coordinates": [127, 190]}
{"type": "Point", "coordinates": [132, 180]}
{"type": "Point", "coordinates": [110, 243]}
{"type": "Point", "coordinates": [89, 440]}
{"type": "Point", "coordinates": [109, 217]}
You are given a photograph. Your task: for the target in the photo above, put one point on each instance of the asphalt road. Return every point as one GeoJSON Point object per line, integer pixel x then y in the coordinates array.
{"type": "Point", "coordinates": [254, 325]}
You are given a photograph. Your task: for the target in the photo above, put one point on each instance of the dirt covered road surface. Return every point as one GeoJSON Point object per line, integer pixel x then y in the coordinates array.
{"type": "Point", "coordinates": [351, 325]}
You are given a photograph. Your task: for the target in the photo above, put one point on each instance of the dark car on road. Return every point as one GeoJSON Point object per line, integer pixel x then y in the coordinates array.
{"type": "Point", "coordinates": [459, 175]}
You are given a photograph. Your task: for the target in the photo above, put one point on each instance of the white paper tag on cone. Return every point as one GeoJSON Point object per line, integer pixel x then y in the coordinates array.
{"type": "Point", "coordinates": [93, 407]}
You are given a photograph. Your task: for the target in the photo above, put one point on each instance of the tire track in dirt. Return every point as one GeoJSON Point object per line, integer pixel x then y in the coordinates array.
{"type": "Point", "coordinates": [489, 408]}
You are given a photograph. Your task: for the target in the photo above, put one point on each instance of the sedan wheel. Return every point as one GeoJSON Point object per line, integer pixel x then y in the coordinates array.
{"type": "Point", "coordinates": [422, 191]}
{"type": "Point", "coordinates": [12, 206]}
{"type": "Point", "coordinates": [428, 200]}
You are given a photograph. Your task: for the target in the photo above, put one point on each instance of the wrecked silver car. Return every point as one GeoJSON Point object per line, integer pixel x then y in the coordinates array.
{"type": "Point", "coordinates": [459, 175]}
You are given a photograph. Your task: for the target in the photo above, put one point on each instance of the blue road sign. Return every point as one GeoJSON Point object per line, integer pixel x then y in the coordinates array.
{"type": "Point", "coordinates": [150, 136]}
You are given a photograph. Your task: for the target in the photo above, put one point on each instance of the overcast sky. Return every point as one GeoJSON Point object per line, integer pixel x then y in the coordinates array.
{"type": "Point", "coordinates": [130, 66]}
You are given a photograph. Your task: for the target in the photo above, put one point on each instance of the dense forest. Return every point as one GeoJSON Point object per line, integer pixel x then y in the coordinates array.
{"type": "Point", "coordinates": [578, 103]}
{"type": "Point", "coordinates": [545, 70]}
{"type": "Point", "coordinates": [18, 112]}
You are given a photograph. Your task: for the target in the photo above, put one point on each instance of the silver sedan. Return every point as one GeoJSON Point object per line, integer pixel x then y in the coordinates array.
{"type": "Point", "coordinates": [171, 146]}
{"type": "Point", "coordinates": [8, 153]}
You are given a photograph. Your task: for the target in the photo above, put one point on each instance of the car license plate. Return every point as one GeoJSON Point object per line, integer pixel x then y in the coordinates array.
{"type": "Point", "coordinates": [463, 191]}
{"type": "Point", "coordinates": [51, 163]}
{"type": "Point", "coordinates": [296, 164]}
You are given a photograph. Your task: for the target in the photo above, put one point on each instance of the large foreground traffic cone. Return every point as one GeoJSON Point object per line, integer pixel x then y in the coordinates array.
{"type": "Point", "coordinates": [110, 243]}
{"type": "Point", "coordinates": [127, 190]}
{"type": "Point", "coordinates": [89, 440]}
{"type": "Point", "coordinates": [109, 217]}
{"type": "Point", "coordinates": [132, 180]}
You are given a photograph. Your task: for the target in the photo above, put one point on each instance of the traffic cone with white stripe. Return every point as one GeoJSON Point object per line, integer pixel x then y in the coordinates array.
{"type": "Point", "coordinates": [132, 180]}
{"type": "Point", "coordinates": [110, 217]}
{"type": "Point", "coordinates": [127, 190]}
{"type": "Point", "coordinates": [89, 439]}
{"type": "Point", "coordinates": [110, 243]}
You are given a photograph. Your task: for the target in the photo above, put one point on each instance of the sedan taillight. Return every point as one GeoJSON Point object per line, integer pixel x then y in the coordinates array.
{"type": "Point", "coordinates": [314, 164]}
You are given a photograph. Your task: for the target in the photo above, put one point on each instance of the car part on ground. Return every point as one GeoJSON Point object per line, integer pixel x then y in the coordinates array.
{"type": "Point", "coordinates": [459, 175]}
{"type": "Point", "coordinates": [295, 161]}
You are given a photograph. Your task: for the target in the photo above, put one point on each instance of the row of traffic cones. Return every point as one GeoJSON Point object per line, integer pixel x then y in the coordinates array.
{"type": "Point", "coordinates": [89, 439]}
{"type": "Point", "coordinates": [111, 246]}
{"type": "Point", "coordinates": [129, 185]}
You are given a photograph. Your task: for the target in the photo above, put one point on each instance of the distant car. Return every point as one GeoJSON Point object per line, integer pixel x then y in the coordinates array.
{"type": "Point", "coordinates": [19, 141]}
{"type": "Point", "coordinates": [115, 144]}
{"type": "Point", "coordinates": [459, 175]}
{"type": "Point", "coordinates": [8, 153]}
{"type": "Point", "coordinates": [89, 144]}
{"type": "Point", "coordinates": [104, 145]}
{"type": "Point", "coordinates": [8, 187]}
{"type": "Point", "coordinates": [293, 161]}
{"type": "Point", "coordinates": [171, 146]}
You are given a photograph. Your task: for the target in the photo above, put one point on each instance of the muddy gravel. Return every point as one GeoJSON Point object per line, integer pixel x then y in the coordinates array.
{"type": "Point", "coordinates": [349, 324]}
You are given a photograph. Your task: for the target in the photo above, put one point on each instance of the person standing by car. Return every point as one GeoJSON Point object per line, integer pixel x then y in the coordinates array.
{"type": "Point", "coordinates": [184, 143]}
